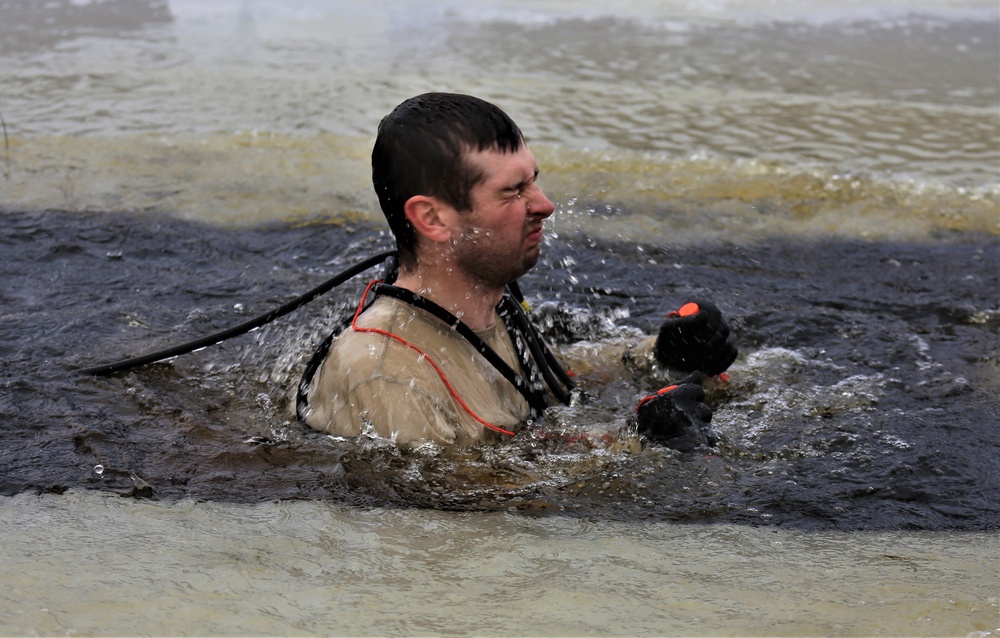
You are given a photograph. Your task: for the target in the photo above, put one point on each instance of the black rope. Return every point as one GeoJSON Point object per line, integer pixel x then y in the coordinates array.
{"type": "Point", "coordinates": [247, 326]}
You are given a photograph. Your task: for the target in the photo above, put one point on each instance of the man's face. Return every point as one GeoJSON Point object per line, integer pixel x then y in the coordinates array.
{"type": "Point", "coordinates": [500, 239]}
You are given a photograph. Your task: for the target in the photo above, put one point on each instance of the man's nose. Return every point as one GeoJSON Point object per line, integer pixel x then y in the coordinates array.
{"type": "Point", "coordinates": [539, 205]}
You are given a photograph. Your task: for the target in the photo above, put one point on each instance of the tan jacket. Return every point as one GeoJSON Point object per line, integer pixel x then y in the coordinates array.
{"type": "Point", "coordinates": [374, 381]}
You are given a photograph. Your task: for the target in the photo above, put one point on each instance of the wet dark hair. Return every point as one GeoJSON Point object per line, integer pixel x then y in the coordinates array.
{"type": "Point", "coordinates": [421, 149]}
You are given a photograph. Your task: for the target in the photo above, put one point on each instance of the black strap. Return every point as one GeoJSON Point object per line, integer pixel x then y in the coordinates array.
{"type": "Point", "coordinates": [534, 396]}
{"type": "Point", "coordinates": [555, 375]}
{"type": "Point", "coordinates": [518, 323]}
{"type": "Point", "coordinates": [315, 361]}
{"type": "Point", "coordinates": [537, 358]}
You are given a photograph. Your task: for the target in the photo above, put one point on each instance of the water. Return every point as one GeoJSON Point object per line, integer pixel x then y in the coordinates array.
{"type": "Point", "coordinates": [827, 172]}
{"type": "Point", "coordinates": [190, 568]}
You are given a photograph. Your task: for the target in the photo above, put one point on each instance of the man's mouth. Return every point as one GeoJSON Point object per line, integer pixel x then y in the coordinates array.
{"type": "Point", "coordinates": [535, 235]}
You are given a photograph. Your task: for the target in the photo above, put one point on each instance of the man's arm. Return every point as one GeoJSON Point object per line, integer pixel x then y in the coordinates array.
{"type": "Point", "coordinates": [694, 343]}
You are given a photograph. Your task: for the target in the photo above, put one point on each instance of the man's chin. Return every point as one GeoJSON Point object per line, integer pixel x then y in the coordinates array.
{"type": "Point", "coordinates": [529, 262]}
{"type": "Point", "coordinates": [526, 266]}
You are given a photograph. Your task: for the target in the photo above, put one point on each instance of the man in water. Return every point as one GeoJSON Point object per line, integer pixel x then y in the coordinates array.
{"type": "Point", "coordinates": [447, 353]}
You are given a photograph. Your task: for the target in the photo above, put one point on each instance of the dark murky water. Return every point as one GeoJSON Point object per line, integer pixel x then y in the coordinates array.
{"type": "Point", "coordinates": [865, 396]}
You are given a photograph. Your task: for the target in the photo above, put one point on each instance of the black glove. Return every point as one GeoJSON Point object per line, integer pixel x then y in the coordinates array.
{"type": "Point", "coordinates": [696, 337]}
{"type": "Point", "coordinates": [677, 416]}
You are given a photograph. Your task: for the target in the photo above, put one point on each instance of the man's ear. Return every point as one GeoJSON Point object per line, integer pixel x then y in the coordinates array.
{"type": "Point", "coordinates": [430, 217]}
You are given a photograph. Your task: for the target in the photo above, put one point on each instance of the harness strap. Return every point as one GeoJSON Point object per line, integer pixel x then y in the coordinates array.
{"type": "Point", "coordinates": [312, 367]}
{"type": "Point", "coordinates": [390, 270]}
{"type": "Point", "coordinates": [536, 359]}
{"type": "Point", "coordinates": [428, 359]}
{"type": "Point", "coordinates": [535, 397]}
{"type": "Point", "coordinates": [555, 377]}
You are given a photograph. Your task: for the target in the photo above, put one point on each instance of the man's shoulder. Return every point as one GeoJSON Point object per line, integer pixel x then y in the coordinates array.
{"type": "Point", "coordinates": [390, 330]}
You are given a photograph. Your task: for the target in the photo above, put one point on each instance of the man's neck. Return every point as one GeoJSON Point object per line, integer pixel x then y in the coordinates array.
{"type": "Point", "coordinates": [470, 302]}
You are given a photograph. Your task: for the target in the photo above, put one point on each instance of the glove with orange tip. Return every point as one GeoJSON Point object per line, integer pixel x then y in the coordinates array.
{"type": "Point", "coordinates": [696, 337]}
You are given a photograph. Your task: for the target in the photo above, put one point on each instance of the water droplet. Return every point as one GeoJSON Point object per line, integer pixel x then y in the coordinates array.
{"type": "Point", "coordinates": [99, 470]}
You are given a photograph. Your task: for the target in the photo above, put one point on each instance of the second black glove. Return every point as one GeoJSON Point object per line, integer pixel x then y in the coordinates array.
{"type": "Point", "coordinates": [677, 416]}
